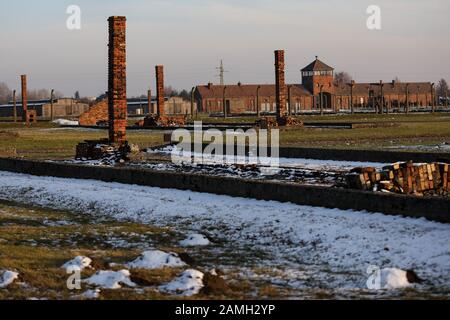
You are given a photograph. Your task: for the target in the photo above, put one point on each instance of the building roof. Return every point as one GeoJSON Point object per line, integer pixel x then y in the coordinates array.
{"type": "Point", "coordinates": [247, 90]}
{"type": "Point", "coordinates": [388, 88]}
{"type": "Point", "coordinates": [29, 104]}
{"type": "Point", "coordinates": [317, 65]}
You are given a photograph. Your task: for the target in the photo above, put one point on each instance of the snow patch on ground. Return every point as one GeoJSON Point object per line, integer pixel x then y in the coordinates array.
{"type": "Point", "coordinates": [291, 236]}
{"type": "Point", "coordinates": [189, 283]}
{"type": "Point", "coordinates": [156, 259]}
{"type": "Point", "coordinates": [111, 279]}
{"type": "Point", "coordinates": [64, 122]}
{"type": "Point", "coordinates": [443, 147]}
{"type": "Point", "coordinates": [393, 278]}
{"type": "Point", "coordinates": [7, 278]}
{"type": "Point", "coordinates": [195, 240]}
{"type": "Point", "coordinates": [78, 263]}
{"type": "Point", "coordinates": [91, 294]}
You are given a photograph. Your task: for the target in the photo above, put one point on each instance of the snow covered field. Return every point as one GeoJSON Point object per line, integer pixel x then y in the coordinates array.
{"type": "Point", "coordinates": [304, 247]}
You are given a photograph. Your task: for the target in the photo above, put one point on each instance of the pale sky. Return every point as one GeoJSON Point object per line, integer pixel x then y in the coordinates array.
{"type": "Point", "coordinates": [189, 37]}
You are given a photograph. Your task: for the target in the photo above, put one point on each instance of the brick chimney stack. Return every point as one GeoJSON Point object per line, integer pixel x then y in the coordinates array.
{"type": "Point", "coordinates": [160, 97]}
{"type": "Point", "coordinates": [117, 80]}
{"type": "Point", "coordinates": [280, 85]}
{"type": "Point", "coordinates": [23, 79]}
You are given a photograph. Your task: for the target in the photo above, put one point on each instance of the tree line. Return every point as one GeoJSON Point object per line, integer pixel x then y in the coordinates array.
{"type": "Point", "coordinates": [340, 78]}
{"type": "Point", "coordinates": [6, 94]}
{"type": "Point", "coordinates": [343, 77]}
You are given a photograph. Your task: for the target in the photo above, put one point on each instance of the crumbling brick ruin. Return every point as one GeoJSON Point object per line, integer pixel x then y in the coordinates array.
{"type": "Point", "coordinates": [117, 80]}
{"type": "Point", "coordinates": [404, 178]}
{"type": "Point", "coordinates": [160, 119]}
{"type": "Point", "coordinates": [96, 115]}
{"type": "Point", "coordinates": [28, 116]}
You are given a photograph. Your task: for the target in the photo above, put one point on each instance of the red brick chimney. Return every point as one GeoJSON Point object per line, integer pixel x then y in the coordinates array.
{"type": "Point", "coordinates": [280, 85]}
{"type": "Point", "coordinates": [23, 79]}
{"type": "Point", "coordinates": [117, 80]}
{"type": "Point", "coordinates": [160, 97]}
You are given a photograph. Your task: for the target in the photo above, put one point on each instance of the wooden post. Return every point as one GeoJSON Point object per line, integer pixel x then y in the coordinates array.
{"type": "Point", "coordinates": [352, 84]}
{"type": "Point", "coordinates": [224, 102]}
{"type": "Point", "coordinates": [407, 99]}
{"type": "Point", "coordinates": [14, 106]}
{"type": "Point", "coordinates": [23, 79]}
{"type": "Point", "coordinates": [192, 101]}
{"type": "Point", "coordinates": [446, 98]}
{"type": "Point", "coordinates": [432, 100]}
{"type": "Point", "coordinates": [290, 100]}
{"type": "Point", "coordinates": [388, 104]}
{"type": "Point", "coordinates": [51, 105]}
{"type": "Point", "coordinates": [149, 101]}
{"type": "Point", "coordinates": [321, 100]}
{"type": "Point", "coordinates": [381, 97]}
{"type": "Point", "coordinates": [257, 101]}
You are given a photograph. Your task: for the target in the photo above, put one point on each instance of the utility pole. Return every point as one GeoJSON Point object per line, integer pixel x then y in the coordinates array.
{"type": "Point", "coordinates": [257, 101]}
{"type": "Point", "coordinates": [14, 106]}
{"type": "Point", "coordinates": [149, 101]}
{"type": "Point", "coordinates": [221, 74]}
{"type": "Point", "coordinates": [290, 100]}
{"type": "Point", "coordinates": [321, 99]}
{"type": "Point", "coordinates": [432, 100]}
{"type": "Point", "coordinates": [352, 84]}
{"type": "Point", "coordinates": [192, 102]}
{"type": "Point", "coordinates": [407, 99]}
{"type": "Point", "coordinates": [224, 102]}
{"type": "Point", "coordinates": [446, 98]}
{"type": "Point", "coordinates": [51, 105]}
{"type": "Point", "coordinates": [381, 97]}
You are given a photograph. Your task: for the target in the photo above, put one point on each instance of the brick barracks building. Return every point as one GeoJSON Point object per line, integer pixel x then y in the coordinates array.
{"type": "Point", "coordinates": [317, 93]}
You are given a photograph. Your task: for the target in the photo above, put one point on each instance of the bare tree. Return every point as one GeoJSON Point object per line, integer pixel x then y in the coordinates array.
{"type": "Point", "coordinates": [185, 95]}
{"type": "Point", "coordinates": [43, 94]}
{"type": "Point", "coordinates": [442, 88]}
{"type": "Point", "coordinates": [169, 91]}
{"type": "Point", "coordinates": [5, 93]}
{"type": "Point", "coordinates": [342, 77]}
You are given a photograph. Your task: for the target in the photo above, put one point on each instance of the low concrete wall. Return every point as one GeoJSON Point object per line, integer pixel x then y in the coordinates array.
{"type": "Point", "coordinates": [437, 209]}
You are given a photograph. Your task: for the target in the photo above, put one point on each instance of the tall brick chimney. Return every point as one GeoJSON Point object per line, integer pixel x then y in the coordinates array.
{"type": "Point", "coordinates": [280, 85]}
{"type": "Point", "coordinates": [23, 79]}
{"type": "Point", "coordinates": [117, 80]}
{"type": "Point", "coordinates": [160, 90]}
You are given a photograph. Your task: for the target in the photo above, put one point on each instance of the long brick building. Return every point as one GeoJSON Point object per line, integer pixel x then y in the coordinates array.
{"type": "Point", "coordinates": [317, 93]}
